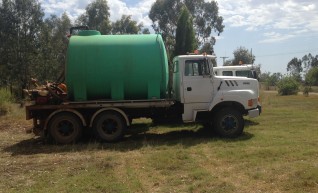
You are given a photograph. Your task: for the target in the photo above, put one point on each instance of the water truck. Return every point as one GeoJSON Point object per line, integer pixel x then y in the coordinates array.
{"type": "Point", "coordinates": [112, 79]}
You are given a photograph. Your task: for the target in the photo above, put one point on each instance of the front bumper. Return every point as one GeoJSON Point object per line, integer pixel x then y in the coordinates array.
{"type": "Point", "coordinates": [255, 112]}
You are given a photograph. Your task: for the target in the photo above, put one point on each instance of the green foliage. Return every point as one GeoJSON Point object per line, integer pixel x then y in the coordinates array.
{"type": "Point", "coordinates": [311, 77]}
{"type": "Point", "coordinates": [242, 55]}
{"type": "Point", "coordinates": [165, 13]}
{"type": "Point", "coordinates": [295, 68]}
{"type": "Point", "coordinates": [34, 47]}
{"type": "Point", "coordinates": [306, 91]}
{"type": "Point", "coordinates": [185, 38]}
{"type": "Point", "coordinates": [300, 68]}
{"type": "Point", "coordinates": [96, 17]}
{"type": "Point", "coordinates": [288, 86]}
{"type": "Point", "coordinates": [126, 26]}
{"type": "Point", "coordinates": [270, 79]}
{"type": "Point", "coordinates": [145, 31]}
{"type": "Point", "coordinates": [207, 48]}
{"type": "Point", "coordinates": [52, 56]}
{"type": "Point", "coordinates": [5, 99]}
{"type": "Point", "coordinates": [5, 96]}
{"type": "Point", "coordinates": [21, 22]}
{"type": "Point", "coordinates": [309, 61]}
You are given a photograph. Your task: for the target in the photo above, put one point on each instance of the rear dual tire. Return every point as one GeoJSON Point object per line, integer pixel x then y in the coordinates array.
{"type": "Point", "coordinates": [65, 128]}
{"type": "Point", "coordinates": [109, 126]}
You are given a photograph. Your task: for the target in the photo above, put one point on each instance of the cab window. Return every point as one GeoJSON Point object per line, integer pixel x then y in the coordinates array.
{"type": "Point", "coordinates": [244, 73]}
{"type": "Point", "coordinates": [196, 68]}
{"type": "Point", "coordinates": [227, 73]}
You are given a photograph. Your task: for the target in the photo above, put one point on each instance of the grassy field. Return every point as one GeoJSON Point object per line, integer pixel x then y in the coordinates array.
{"type": "Point", "coordinates": [313, 89]}
{"type": "Point", "coordinates": [278, 152]}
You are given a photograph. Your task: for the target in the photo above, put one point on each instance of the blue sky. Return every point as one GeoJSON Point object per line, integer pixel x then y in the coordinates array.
{"type": "Point", "coordinates": [275, 30]}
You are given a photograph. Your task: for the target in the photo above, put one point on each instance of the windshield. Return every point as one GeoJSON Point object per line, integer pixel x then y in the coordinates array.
{"type": "Point", "coordinates": [244, 73]}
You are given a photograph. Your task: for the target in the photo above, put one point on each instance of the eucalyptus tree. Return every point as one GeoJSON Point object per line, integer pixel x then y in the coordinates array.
{"type": "Point", "coordinates": [207, 22]}
{"type": "Point", "coordinates": [295, 68]}
{"type": "Point", "coordinates": [54, 42]}
{"type": "Point", "coordinates": [96, 17]}
{"type": "Point", "coordinates": [309, 61]}
{"type": "Point", "coordinates": [242, 56]}
{"type": "Point", "coordinates": [126, 26]}
{"type": "Point", "coordinates": [21, 22]}
{"type": "Point", "coordinates": [311, 77]}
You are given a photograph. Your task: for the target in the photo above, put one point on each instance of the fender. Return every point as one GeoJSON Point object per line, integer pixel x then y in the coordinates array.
{"type": "Point", "coordinates": [79, 115]}
{"type": "Point", "coordinates": [239, 96]}
{"type": "Point", "coordinates": [110, 109]}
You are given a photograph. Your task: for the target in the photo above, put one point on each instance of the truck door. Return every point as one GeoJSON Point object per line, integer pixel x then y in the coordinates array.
{"type": "Point", "coordinates": [197, 81]}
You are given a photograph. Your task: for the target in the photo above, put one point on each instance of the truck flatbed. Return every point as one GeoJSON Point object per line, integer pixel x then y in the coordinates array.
{"type": "Point", "coordinates": [152, 103]}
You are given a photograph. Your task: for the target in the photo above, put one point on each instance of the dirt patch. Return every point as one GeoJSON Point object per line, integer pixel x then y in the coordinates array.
{"type": "Point", "coordinates": [14, 124]}
{"type": "Point", "coordinates": [3, 112]}
{"type": "Point", "coordinates": [4, 126]}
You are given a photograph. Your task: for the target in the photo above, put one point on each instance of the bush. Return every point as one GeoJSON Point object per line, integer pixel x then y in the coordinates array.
{"type": "Point", "coordinates": [311, 77]}
{"type": "Point", "coordinates": [306, 91]}
{"type": "Point", "coordinates": [5, 99]}
{"type": "Point", "coordinates": [288, 86]}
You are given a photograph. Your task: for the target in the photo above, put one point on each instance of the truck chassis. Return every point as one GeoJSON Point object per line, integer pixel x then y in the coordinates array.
{"type": "Point", "coordinates": [109, 119]}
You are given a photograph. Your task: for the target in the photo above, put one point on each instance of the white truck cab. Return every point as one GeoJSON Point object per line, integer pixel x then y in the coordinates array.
{"type": "Point", "coordinates": [223, 99]}
{"type": "Point", "coordinates": [245, 70]}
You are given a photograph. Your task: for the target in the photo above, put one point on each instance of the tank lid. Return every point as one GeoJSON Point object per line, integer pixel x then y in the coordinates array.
{"type": "Point", "coordinates": [88, 33]}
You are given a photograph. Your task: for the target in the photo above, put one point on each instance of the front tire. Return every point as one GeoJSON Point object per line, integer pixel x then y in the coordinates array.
{"type": "Point", "coordinates": [65, 128]}
{"type": "Point", "coordinates": [228, 122]}
{"type": "Point", "coordinates": [109, 126]}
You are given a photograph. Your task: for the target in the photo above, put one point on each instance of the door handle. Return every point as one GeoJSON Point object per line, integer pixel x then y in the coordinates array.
{"type": "Point", "coordinates": [189, 89]}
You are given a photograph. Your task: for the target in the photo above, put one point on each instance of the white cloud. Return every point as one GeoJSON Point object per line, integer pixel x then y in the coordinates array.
{"type": "Point", "coordinates": [283, 17]}
{"type": "Point", "coordinates": [275, 36]}
{"type": "Point", "coordinates": [270, 17]}
{"type": "Point", "coordinates": [139, 11]}
{"type": "Point", "coordinates": [237, 21]}
{"type": "Point", "coordinates": [74, 8]}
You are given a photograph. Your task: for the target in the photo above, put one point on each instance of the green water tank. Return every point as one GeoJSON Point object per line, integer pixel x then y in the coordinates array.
{"type": "Point", "coordinates": [116, 67]}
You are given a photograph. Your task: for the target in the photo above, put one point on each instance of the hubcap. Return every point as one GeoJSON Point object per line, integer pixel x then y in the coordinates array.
{"type": "Point", "coordinates": [109, 126]}
{"type": "Point", "coordinates": [65, 128]}
{"type": "Point", "coordinates": [229, 123]}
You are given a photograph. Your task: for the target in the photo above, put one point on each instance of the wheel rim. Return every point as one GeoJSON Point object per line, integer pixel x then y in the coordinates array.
{"type": "Point", "coordinates": [229, 123]}
{"type": "Point", "coordinates": [109, 126]}
{"type": "Point", "coordinates": [65, 128]}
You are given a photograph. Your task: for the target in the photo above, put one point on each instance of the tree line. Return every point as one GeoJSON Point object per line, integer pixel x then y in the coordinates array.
{"type": "Point", "coordinates": [304, 70]}
{"type": "Point", "coordinates": [306, 67]}
{"type": "Point", "coordinates": [32, 45]}
{"type": "Point", "coordinates": [35, 46]}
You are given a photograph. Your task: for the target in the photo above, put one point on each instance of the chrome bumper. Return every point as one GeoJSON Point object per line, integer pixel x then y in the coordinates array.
{"type": "Point", "coordinates": [255, 112]}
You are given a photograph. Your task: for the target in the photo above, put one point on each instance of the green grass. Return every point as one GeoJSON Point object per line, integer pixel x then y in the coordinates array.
{"type": "Point", "coordinates": [277, 153]}
{"type": "Point", "coordinates": [314, 88]}
{"type": "Point", "coordinates": [5, 100]}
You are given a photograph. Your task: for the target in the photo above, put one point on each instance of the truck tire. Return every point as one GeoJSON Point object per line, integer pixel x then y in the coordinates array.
{"type": "Point", "coordinates": [109, 126]}
{"type": "Point", "coordinates": [228, 122]}
{"type": "Point", "coordinates": [65, 128]}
